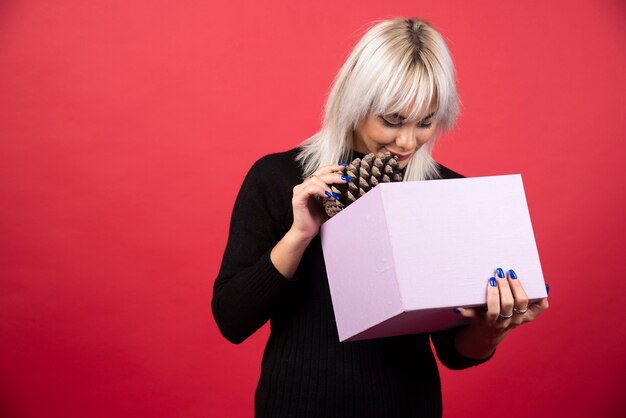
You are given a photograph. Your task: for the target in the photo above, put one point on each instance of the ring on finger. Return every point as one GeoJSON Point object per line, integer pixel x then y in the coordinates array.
{"type": "Point", "coordinates": [520, 311]}
{"type": "Point", "coordinates": [506, 316]}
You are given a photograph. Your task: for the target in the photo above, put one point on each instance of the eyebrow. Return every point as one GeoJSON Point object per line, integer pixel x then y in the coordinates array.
{"type": "Point", "coordinates": [403, 118]}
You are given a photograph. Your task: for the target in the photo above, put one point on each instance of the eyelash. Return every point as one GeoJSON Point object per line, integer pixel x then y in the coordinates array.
{"type": "Point", "coordinates": [396, 125]}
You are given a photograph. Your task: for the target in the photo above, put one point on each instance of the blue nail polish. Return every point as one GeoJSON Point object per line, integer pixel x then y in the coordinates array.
{"type": "Point", "coordinates": [346, 178]}
{"type": "Point", "coordinates": [492, 282]}
{"type": "Point", "coordinates": [457, 310]}
{"type": "Point", "coordinates": [327, 193]}
{"type": "Point", "coordinates": [512, 274]}
{"type": "Point", "coordinates": [500, 273]}
{"type": "Point", "coordinates": [547, 288]}
{"type": "Point", "coordinates": [344, 164]}
{"type": "Point", "coordinates": [335, 196]}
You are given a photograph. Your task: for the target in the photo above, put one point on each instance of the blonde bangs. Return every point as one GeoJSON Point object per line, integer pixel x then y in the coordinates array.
{"type": "Point", "coordinates": [413, 87]}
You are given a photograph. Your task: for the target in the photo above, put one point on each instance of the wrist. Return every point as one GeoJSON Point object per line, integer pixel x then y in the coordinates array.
{"type": "Point", "coordinates": [287, 253]}
{"type": "Point", "coordinates": [473, 344]}
{"type": "Point", "coordinates": [298, 237]}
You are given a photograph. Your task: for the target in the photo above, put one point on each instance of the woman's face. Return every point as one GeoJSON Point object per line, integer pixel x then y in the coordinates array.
{"type": "Point", "coordinates": [395, 134]}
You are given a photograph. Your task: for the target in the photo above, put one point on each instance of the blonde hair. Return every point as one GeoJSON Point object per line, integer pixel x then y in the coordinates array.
{"type": "Point", "coordinates": [398, 64]}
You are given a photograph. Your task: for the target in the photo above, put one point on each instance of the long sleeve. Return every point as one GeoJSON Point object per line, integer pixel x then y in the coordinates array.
{"type": "Point", "coordinates": [448, 353]}
{"type": "Point", "coordinates": [248, 284]}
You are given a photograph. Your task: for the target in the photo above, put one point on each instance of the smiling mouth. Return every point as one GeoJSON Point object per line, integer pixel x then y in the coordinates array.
{"type": "Point", "coordinates": [398, 155]}
{"type": "Point", "coordinates": [401, 157]}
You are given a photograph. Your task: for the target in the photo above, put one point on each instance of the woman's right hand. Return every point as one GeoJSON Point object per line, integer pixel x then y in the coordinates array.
{"type": "Point", "coordinates": [308, 212]}
{"type": "Point", "coordinates": [308, 215]}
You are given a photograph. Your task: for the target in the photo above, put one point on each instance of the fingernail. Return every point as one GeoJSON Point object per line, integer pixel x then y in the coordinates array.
{"type": "Point", "coordinates": [512, 274]}
{"type": "Point", "coordinates": [335, 196]}
{"type": "Point", "coordinates": [547, 288]}
{"type": "Point", "coordinates": [457, 310]}
{"type": "Point", "coordinates": [344, 164]}
{"type": "Point", "coordinates": [500, 273]}
{"type": "Point", "coordinates": [492, 282]}
{"type": "Point", "coordinates": [327, 193]}
{"type": "Point", "coordinates": [346, 178]}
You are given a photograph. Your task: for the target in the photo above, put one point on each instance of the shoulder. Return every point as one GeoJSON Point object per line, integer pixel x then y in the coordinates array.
{"type": "Point", "coordinates": [267, 186]}
{"type": "Point", "coordinates": [278, 163]}
{"type": "Point", "coordinates": [275, 173]}
{"type": "Point", "coordinates": [447, 173]}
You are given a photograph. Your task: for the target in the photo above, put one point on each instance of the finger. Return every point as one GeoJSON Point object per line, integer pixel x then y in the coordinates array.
{"type": "Point", "coordinates": [537, 308]}
{"type": "Point", "coordinates": [329, 169]}
{"type": "Point", "coordinates": [323, 186]}
{"type": "Point", "coordinates": [469, 313]}
{"type": "Point", "coordinates": [304, 191]}
{"type": "Point", "coordinates": [506, 296]}
{"type": "Point", "coordinates": [328, 178]}
{"type": "Point", "coordinates": [333, 178]}
{"type": "Point", "coordinates": [493, 301]}
{"type": "Point", "coordinates": [327, 182]}
{"type": "Point", "coordinates": [465, 312]}
{"type": "Point", "coordinates": [519, 294]}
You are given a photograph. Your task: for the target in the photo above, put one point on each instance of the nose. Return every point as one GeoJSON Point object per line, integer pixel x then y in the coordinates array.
{"type": "Point", "coordinates": [407, 140]}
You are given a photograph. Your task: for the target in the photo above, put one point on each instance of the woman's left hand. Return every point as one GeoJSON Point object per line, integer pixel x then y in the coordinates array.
{"type": "Point", "coordinates": [507, 308]}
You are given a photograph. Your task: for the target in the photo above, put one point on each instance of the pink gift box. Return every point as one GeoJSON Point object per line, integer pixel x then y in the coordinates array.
{"type": "Point", "coordinates": [401, 257]}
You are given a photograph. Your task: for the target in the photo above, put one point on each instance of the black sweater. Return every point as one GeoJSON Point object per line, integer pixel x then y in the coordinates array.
{"type": "Point", "coordinates": [306, 371]}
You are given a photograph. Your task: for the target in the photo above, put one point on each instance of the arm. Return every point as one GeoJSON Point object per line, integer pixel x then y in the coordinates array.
{"type": "Point", "coordinates": [453, 349]}
{"type": "Point", "coordinates": [507, 308]}
{"type": "Point", "coordinates": [286, 255]}
{"type": "Point", "coordinates": [470, 345]}
{"type": "Point", "coordinates": [248, 284]}
{"type": "Point", "coordinates": [263, 250]}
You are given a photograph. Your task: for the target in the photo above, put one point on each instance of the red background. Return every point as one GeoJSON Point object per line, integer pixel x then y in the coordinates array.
{"type": "Point", "coordinates": [127, 127]}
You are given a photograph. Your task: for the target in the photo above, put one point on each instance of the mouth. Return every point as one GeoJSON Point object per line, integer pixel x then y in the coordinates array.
{"type": "Point", "coordinates": [401, 157]}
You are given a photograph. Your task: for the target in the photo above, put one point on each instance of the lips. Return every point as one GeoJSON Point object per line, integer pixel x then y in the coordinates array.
{"type": "Point", "coordinates": [401, 157]}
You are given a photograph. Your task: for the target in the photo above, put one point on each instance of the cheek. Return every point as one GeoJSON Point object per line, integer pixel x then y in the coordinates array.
{"type": "Point", "coordinates": [382, 135]}
{"type": "Point", "coordinates": [426, 135]}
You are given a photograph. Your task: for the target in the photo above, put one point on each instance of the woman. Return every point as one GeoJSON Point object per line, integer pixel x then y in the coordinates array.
{"type": "Point", "coordinates": [395, 92]}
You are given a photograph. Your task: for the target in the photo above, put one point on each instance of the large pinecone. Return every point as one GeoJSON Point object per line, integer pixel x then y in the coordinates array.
{"type": "Point", "coordinates": [365, 174]}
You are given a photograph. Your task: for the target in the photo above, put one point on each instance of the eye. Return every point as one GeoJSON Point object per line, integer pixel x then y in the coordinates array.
{"type": "Point", "coordinates": [425, 124]}
{"type": "Point", "coordinates": [391, 120]}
